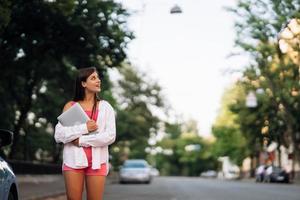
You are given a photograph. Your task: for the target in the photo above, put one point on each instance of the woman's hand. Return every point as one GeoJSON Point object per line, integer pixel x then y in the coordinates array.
{"type": "Point", "coordinates": [76, 142]}
{"type": "Point", "coordinates": [91, 125]}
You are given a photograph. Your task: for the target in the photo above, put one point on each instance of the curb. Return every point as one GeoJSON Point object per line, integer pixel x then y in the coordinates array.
{"type": "Point", "coordinates": [29, 178]}
{"type": "Point", "coordinates": [43, 197]}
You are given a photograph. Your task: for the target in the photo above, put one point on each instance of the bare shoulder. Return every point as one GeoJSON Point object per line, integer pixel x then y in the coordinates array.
{"type": "Point", "coordinates": [68, 105]}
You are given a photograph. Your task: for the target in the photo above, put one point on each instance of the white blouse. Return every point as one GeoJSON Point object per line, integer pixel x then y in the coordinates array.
{"type": "Point", "coordinates": [74, 156]}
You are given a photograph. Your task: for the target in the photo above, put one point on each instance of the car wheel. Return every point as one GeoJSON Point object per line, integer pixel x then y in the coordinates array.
{"type": "Point", "coordinates": [12, 195]}
{"type": "Point", "coordinates": [287, 180]}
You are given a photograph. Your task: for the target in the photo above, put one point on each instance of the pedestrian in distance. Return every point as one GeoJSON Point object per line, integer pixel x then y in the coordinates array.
{"type": "Point", "coordinates": [85, 153]}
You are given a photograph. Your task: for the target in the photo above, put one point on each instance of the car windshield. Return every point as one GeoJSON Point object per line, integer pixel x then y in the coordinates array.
{"type": "Point", "coordinates": [277, 169]}
{"type": "Point", "coordinates": [134, 165]}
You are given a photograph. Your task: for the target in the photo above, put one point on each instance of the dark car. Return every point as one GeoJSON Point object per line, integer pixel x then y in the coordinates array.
{"type": "Point", "coordinates": [8, 184]}
{"type": "Point", "coordinates": [276, 174]}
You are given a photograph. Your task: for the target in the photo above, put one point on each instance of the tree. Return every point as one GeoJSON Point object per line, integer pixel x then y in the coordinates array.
{"type": "Point", "coordinates": [137, 99]}
{"type": "Point", "coordinates": [230, 139]}
{"type": "Point", "coordinates": [186, 153]}
{"type": "Point", "coordinates": [5, 12]}
{"type": "Point", "coordinates": [42, 45]}
{"type": "Point", "coordinates": [258, 28]}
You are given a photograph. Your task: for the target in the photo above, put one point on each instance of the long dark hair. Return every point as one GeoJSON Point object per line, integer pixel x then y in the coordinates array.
{"type": "Point", "coordinates": [79, 93]}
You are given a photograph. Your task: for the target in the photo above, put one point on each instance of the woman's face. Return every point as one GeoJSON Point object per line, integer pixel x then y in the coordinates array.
{"type": "Point", "coordinates": [92, 83]}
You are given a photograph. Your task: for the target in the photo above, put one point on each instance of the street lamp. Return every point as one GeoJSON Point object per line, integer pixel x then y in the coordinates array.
{"type": "Point", "coordinates": [175, 9]}
{"type": "Point", "coordinates": [251, 100]}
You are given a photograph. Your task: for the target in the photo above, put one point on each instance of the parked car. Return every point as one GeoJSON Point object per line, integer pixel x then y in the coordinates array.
{"type": "Point", "coordinates": [135, 170]}
{"type": "Point", "coordinates": [276, 174]}
{"type": "Point", "coordinates": [8, 183]}
{"type": "Point", "coordinates": [209, 174]}
{"type": "Point", "coordinates": [154, 172]}
{"type": "Point", "coordinates": [229, 170]}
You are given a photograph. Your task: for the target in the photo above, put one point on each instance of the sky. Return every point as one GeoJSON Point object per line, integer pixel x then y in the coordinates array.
{"type": "Point", "coordinates": [186, 53]}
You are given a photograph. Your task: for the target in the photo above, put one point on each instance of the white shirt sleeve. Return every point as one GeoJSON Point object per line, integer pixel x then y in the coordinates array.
{"type": "Point", "coordinates": [105, 137]}
{"type": "Point", "coordinates": [67, 134]}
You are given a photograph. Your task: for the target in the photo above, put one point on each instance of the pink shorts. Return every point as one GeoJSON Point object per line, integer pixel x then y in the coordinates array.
{"type": "Point", "coordinates": [88, 170]}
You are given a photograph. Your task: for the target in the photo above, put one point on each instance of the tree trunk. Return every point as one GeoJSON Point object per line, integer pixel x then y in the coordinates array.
{"type": "Point", "coordinates": [279, 155]}
{"type": "Point", "coordinates": [57, 148]}
{"type": "Point", "coordinates": [253, 165]}
{"type": "Point", "coordinates": [17, 129]}
{"type": "Point", "coordinates": [24, 106]}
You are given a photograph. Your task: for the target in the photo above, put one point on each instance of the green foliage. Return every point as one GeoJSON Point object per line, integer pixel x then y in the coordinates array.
{"type": "Point", "coordinates": [229, 142]}
{"type": "Point", "coordinates": [258, 26]}
{"type": "Point", "coordinates": [41, 46]}
{"type": "Point", "coordinates": [137, 98]}
{"type": "Point", "coordinates": [185, 160]}
{"type": "Point", "coordinates": [230, 139]}
{"type": "Point", "coordinates": [5, 12]}
{"type": "Point", "coordinates": [190, 155]}
{"type": "Point", "coordinates": [173, 129]}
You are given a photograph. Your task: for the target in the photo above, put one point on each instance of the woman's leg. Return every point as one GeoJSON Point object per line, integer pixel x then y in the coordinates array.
{"type": "Point", "coordinates": [74, 183]}
{"type": "Point", "coordinates": [95, 187]}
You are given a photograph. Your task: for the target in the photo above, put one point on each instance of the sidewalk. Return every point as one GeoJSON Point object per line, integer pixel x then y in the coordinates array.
{"type": "Point", "coordinates": [252, 180]}
{"type": "Point", "coordinates": [45, 187]}
{"type": "Point", "coordinates": [36, 187]}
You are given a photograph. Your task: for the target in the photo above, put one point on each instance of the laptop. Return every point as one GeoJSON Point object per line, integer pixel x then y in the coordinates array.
{"type": "Point", "coordinates": [73, 116]}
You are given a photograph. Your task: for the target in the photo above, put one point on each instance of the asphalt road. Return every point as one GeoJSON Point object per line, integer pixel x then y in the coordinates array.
{"type": "Point", "coordinates": [183, 188]}
{"type": "Point", "coordinates": [186, 188]}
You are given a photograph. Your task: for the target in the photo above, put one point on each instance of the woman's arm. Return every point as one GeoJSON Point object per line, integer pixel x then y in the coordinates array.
{"type": "Point", "coordinates": [67, 134]}
{"type": "Point", "coordinates": [105, 137]}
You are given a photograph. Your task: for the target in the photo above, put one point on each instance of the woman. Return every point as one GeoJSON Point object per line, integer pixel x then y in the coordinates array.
{"type": "Point", "coordinates": [85, 156]}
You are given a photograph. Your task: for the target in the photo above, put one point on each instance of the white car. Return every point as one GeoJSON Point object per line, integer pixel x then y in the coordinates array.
{"type": "Point", "coordinates": [135, 170]}
{"type": "Point", "coordinates": [209, 174]}
{"type": "Point", "coordinates": [8, 183]}
{"type": "Point", "coordinates": [154, 172]}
